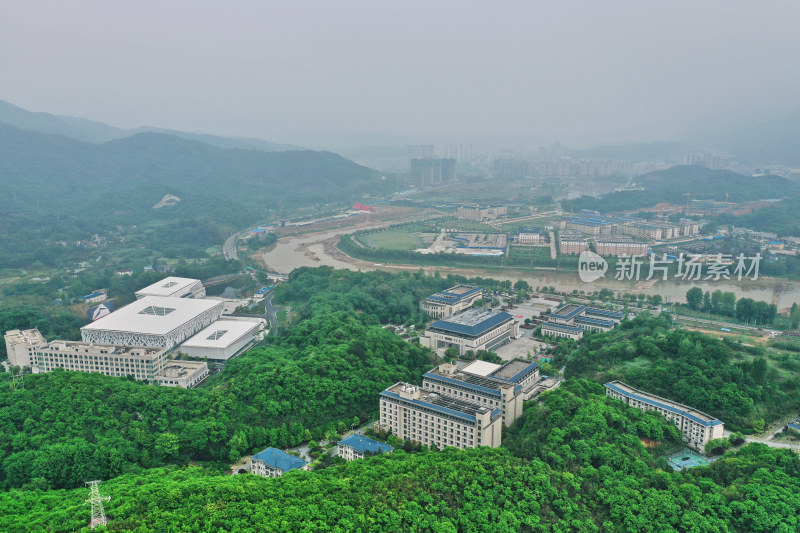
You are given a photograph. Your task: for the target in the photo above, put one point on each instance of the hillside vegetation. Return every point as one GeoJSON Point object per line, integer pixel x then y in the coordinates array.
{"type": "Point", "coordinates": [587, 471]}
{"type": "Point", "coordinates": [669, 186]}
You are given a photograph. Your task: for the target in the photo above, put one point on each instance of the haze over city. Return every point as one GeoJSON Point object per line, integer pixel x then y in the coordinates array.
{"type": "Point", "coordinates": [359, 72]}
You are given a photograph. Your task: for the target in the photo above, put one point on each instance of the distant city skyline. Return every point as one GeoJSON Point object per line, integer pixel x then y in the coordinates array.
{"type": "Point", "coordinates": [356, 72]}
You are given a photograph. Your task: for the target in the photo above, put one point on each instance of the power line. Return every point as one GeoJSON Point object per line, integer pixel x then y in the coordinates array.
{"type": "Point", "coordinates": [98, 513]}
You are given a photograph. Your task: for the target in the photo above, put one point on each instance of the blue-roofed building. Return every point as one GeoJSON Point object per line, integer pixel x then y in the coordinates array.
{"type": "Point", "coordinates": [696, 426]}
{"type": "Point", "coordinates": [272, 462]}
{"type": "Point", "coordinates": [96, 296]}
{"type": "Point", "coordinates": [450, 301]}
{"type": "Point", "coordinates": [359, 446]}
{"type": "Point", "coordinates": [439, 420]}
{"type": "Point", "coordinates": [554, 329]}
{"type": "Point", "coordinates": [795, 424]}
{"type": "Point", "coordinates": [571, 321]}
{"type": "Point", "coordinates": [474, 329]}
{"type": "Point", "coordinates": [491, 384]}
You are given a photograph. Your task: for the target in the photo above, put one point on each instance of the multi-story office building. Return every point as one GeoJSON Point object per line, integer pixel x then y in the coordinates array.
{"type": "Point", "coordinates": [440, 420]}
{"type": "Point", "coordinates": [572, 243]}
{"type": "Point", "coordinates": [474, 329]}
{"type": "Point", "coordinates": [108, 359]}
{"type": "Point", "coordinates": [450, 301]}
{"type": "Point", "coordinates": [591, 226]}
{"type": "Point", "coordinates": [480, 213]}
{"type": "Point", "coordinates": [530, 238]}
{"type": "Point", "coordinates": [696, 426]}
{"type": "Point", "coordinates": [272, 462]}
{"type": "Point", "coordinates": [359, 446]}
{"type": "Point", "coordinates": [20, 345]}
{"type": "Point", "coordinates": [487, 383]}
{"type": "Point", "coordinates": [619, 246]}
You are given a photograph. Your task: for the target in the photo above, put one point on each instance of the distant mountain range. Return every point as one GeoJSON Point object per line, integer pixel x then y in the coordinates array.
{"type": "Point", "coordinates": [670, 186]}
{"type": "Point", "coordinates": [90, 131]}
{"type": "Point", "coordinates": [41, 173]}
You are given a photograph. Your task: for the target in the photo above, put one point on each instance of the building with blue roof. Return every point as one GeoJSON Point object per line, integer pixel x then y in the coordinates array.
{"type": "Point", "coordinates": [475, 329]}
{"type": "Point", "coordinates": [571, 321]}
{"type": "Point", "coordinates": [450, 301]}
{"type": "Point", "coordinates": [493, 385]}
{"type": "Point", "coordinates": [439, 420]}
{"type": "Point", "coordinates": [359, 446]}
{"type": "Point", "coordinates": [697, 427]}
{"type": "Point", "coordinates": [273, 462]}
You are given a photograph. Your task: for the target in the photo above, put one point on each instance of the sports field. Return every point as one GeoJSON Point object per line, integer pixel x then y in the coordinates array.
{"type": "Point", "coordinates": [392, 240]}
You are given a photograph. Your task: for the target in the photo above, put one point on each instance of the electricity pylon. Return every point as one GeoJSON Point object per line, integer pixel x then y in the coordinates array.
{"type": "Point", "coordinates": [98, 513]}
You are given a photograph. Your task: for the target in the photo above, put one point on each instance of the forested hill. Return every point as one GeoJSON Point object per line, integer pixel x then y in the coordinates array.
{"type": "Point", "coordinates": [45, 173]}
{"type": "Point", "coordinates": [91, 131]}
{"type": "Point", "coordinates": [669, 186]}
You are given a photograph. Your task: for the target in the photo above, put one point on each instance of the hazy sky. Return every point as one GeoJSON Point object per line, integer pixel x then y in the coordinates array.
{"type": "Point", "coordinates": [581, 72]}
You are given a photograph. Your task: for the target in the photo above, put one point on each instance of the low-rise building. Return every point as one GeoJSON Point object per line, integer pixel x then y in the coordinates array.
{"type": "Point", "coordinates": [570, 321]}
{"type": "Point", "coordinates": [174, 287]}
{"type": "Point", "coordinates": [20, 345]}
{"type": "Point", "coordinates": [95, 296]}
{"type": "Point", "coordinates": [272, 462]}
{"type": "Point", "coordinates": [493, 385]}
{"type": "Point", "coordinates": [479, 213]}
{"type": "Point", "coordinates": [572, 243]}
{"type": "Point", "coordinates": [223, 339]}
{"type": "Point", "coordinates": [184, 374]}
{"type": "Point", "coordinates": [450, 301]}
{"type": "Point", "coordinates": [474, 329]}
{"type": "Point", "coordinates": [359, 446]}
{"type": "Point", "coordinates": [440, 420]}
{"type": "Point", "coordinates": [696, 426]}
{"type": "Point", "coordinates": [554, 329]}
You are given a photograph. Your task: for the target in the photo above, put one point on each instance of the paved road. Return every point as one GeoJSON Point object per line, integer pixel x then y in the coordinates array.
{"type": "Point", "coordinates": [721, 323]}
{"type": "Point", "coordinates": [229, 248]}
{"type": "Point", "coordinates": [271, 314]}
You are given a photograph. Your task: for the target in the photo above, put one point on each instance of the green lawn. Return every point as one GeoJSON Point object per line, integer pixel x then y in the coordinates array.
{"type": "Point", "coordinates": [392, 240]}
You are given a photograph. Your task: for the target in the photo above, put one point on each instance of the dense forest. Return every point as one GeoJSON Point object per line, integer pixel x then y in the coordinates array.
{"type": "Point", "coordinates": [726, 379]}
{"type": "Point", "coordinates": [574, 463]}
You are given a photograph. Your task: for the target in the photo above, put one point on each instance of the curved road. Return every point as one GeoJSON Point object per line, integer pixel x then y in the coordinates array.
{"type": "Point", "coordinates": [271, 314]}
{"type": "Point", "coordinates": [229, 248]}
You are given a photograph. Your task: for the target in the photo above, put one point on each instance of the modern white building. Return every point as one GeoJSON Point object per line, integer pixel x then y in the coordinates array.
{"type": "Point", "coordinates": [184, 374]}
{"type": "Point", "coordinates": [272, 462]}
{"type": "Point", "coordinates": [110, 360]}
{"type": "Point", "coordinates": [450, 301]}
{"type": "Point", "coordinates": [440, 420]}
{"type": "Point", "coordinates": [474, 329]}
{"type": "Point", "coordinates": [174, 287]}
{"type": "Point", "coordinates": [359, 446]}
{"type": "Point", "coordinates": [20, 345]}
{"type": "Point", "coordinates": [223, 339]}
{"type": "Point", "coordinates": [155, 321]}
{"type": "Point", "coordinates": [496, 386]}
{"type": "Point", "coordinates": [696, 426]}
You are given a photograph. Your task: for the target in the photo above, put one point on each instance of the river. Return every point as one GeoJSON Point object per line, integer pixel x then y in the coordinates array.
{"type": "Point", "coordinates": [294, 252]}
